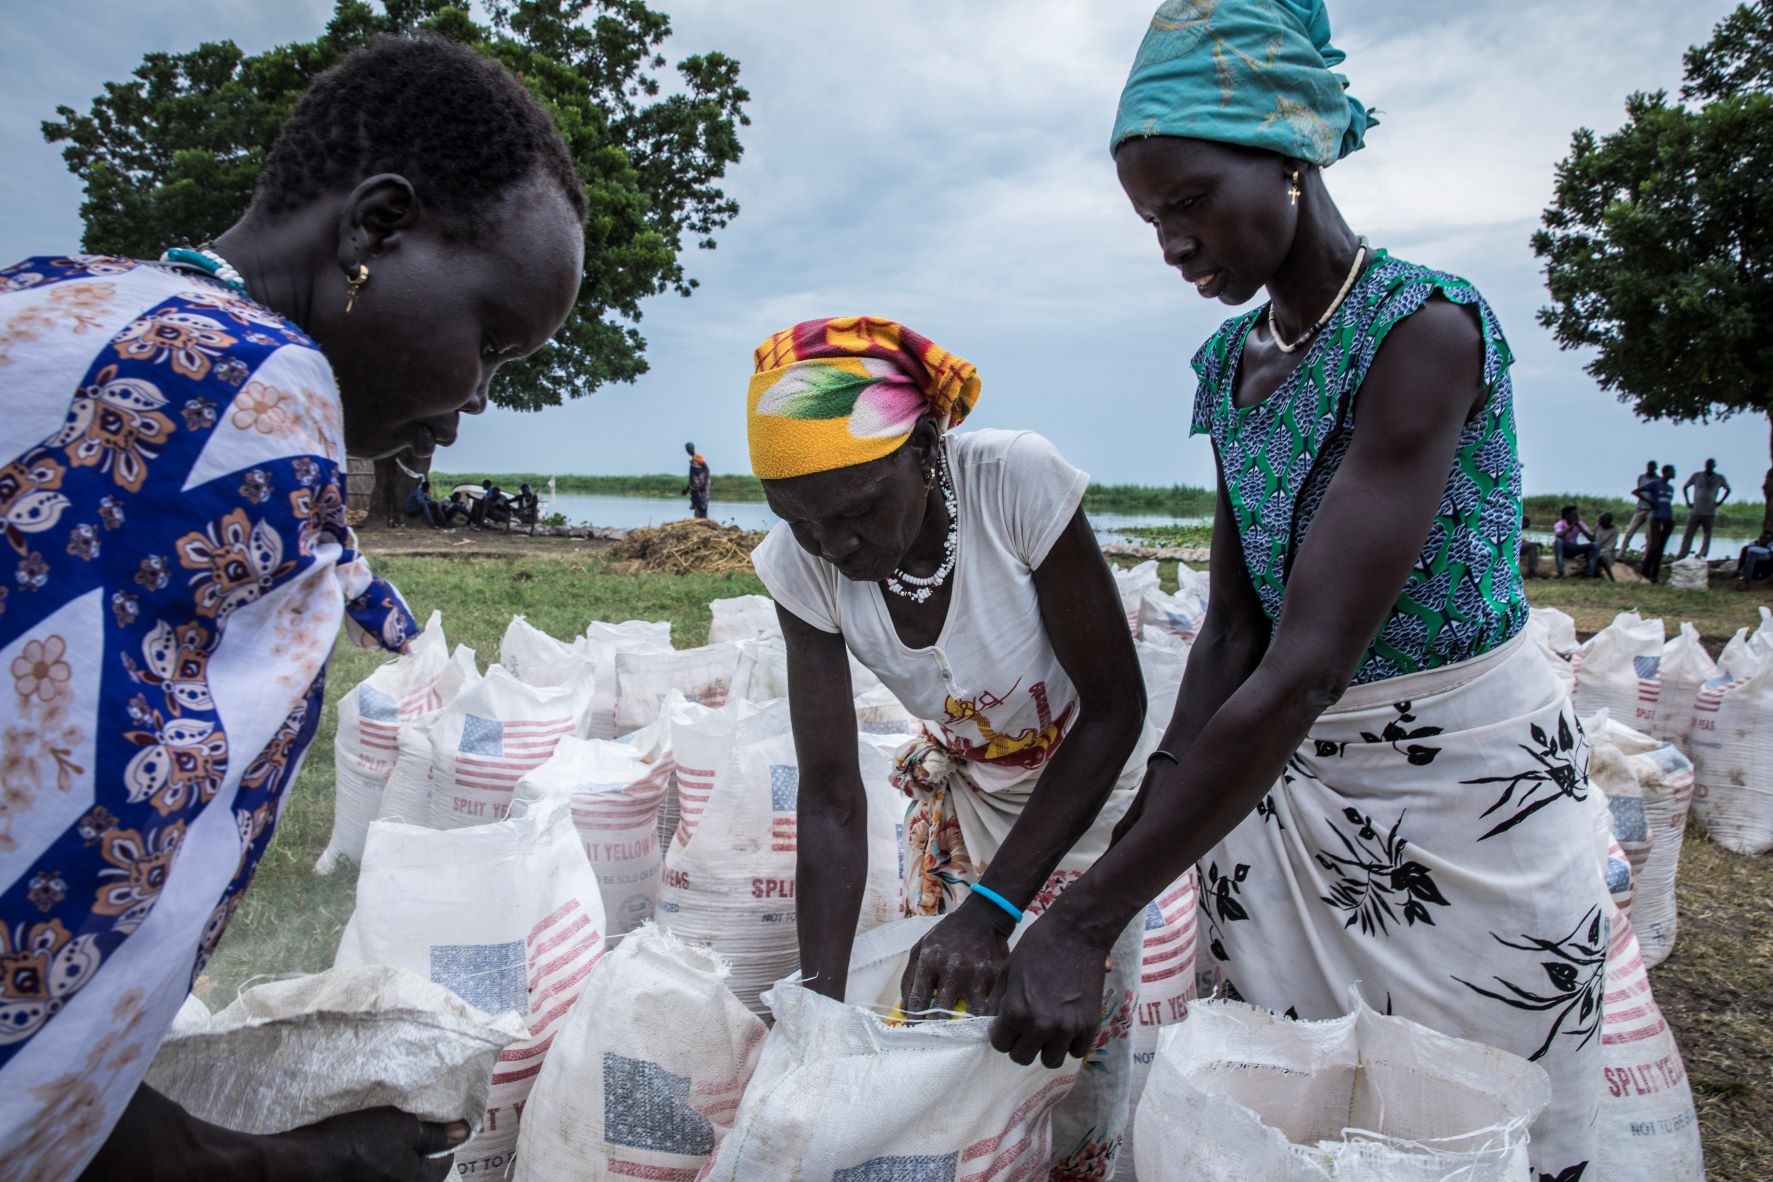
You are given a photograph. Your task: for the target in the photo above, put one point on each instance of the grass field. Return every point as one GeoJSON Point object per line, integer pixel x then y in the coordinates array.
{"type": "Point", "coordinates": [1716, 989]}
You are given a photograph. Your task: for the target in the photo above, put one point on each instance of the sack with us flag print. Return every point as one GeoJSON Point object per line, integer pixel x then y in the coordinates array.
{"type": "Point", "coordinates": [506, 915]}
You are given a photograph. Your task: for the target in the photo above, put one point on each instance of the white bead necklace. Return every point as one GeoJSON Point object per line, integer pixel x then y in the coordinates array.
{"type": "Point", "coordinates": [1360, 256]}
{"type": "Point", "coordinates": [918, 588]}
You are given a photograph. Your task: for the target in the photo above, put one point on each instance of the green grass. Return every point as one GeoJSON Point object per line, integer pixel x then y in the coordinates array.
{"type": "Point", "coordinates": [1169, 535]}
{"type": "Point", "coordinates": [1717, 612]}
{"type": "Point", "coordinates": [291, 919]}
{"type": "Point", "coordinates": [1736, 518]}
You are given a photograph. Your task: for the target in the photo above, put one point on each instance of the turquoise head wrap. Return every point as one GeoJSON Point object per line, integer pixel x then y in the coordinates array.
{"type": "Point", "coordinates": [1249, 72]}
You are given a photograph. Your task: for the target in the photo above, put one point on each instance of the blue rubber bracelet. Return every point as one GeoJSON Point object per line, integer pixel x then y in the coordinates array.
{"type": "Point", "coordinates": [1015, 911]}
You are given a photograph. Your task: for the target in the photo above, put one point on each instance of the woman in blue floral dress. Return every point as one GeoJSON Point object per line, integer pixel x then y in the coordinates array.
{"type": "Point", "coordinates": [177, 564]}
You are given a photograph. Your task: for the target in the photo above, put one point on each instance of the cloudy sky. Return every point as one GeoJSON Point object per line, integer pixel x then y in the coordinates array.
{"type": "Point", "coordinates": [946, 165]}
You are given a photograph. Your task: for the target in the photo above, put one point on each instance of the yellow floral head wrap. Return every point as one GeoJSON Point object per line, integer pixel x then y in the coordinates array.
{"type": "Point", "coordinates": [835, 393]}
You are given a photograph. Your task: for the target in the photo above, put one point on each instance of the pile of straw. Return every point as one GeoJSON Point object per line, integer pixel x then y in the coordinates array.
{"type": "Point", "coordinates": [686, 547]}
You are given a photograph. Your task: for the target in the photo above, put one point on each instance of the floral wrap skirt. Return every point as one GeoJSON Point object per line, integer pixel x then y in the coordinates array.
{"type": "Point", "coordinates": [1431, 841]}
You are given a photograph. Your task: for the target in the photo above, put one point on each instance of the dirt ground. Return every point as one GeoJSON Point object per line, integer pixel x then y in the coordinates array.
{"type": "Point", "coordinates": [453, 543]}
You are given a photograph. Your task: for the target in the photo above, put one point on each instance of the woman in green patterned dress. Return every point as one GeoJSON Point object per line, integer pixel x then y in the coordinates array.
{"type": "Point", "coordinates": [1380, 781]}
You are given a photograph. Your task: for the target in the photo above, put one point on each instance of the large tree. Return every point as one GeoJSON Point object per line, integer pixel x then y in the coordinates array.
{"type": "Point", "coordinates": [1659, 247]}
{"type": "Point", "coordinates": [172, 154]}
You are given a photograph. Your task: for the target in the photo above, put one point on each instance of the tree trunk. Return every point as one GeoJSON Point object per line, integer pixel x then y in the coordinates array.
{"type": "Point", "coordinates": [1766, 538]}
{"type": "Point", "coordinates": [387, 504]}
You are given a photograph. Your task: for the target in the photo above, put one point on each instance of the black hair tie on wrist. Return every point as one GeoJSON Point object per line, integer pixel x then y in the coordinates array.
{"type": "Point", "coordinates": [1161, 753]}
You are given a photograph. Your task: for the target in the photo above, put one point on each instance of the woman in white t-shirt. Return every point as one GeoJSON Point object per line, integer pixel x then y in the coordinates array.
{"type": "Point", "coordinates": [961, 571]}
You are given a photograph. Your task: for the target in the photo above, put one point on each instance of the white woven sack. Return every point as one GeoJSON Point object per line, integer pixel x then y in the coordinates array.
{"type": "Point", "coordinates": [407, 796]}
{"type": "Point", "coordinates": [843, 1093]}
{"type": "Point", "coordinates": [1166, 988]}
{"type": "Point", "coordinates": [490, 735]}
{"type": "Point", "coordinates": [289, 1053]}
{"type": "Point", "coordinates": [883, 897]}
{"type": "Point", "coordinates": [1732, 749]}
{"type": "Point", "coordinates": [1684, 669]}
{"type": "Point", "coordinates": [525, 649]}
{"type": "Point", "coordinates": [1179, 614]}
{"type": "Point", "coordinates": [701, 745]}
{"type": "Point", "coordinates": [605, 641]}
{"type": "Point", "coordinates": [1161, 663]}
{"type": "Point", "coordinates": [1133, 583]}
{"type": "Point", "coordinates": [1553, 632]}
{"type": "Point", "coordinates": [614, 790]}
{"type": "Point", "coordinates": [1689, 574]}
{"type": "Point", "coordinates": [367, 741]}
{"type": "Point", "coordinates": [1239, 1093]}
{"type": "Point", "coordinates": [507, 915]}
{"type": "Point", "coordinates": [644, 1079]}
{"type": "Point", "coordinates": [1554, 629]}
{"type": "Point", "coordinates": [643, 679]}
{"type": "Point", "coordinates": [729, 871]}
{"type": "Point", "coordinates": [761, 674]}
{"type": "Point", "coordinates": [878, 712]}
{"type": "Point", "coordinates": [1650, 822]}
{"type": "Point", "coordinates": [746, 617]}
{"type": "Point", "coordinates": [1647, 1128]}
{"type": "Point", "coordinates": [1617, 670]}
{"type": "Point", "coordinates": [1623, 839]}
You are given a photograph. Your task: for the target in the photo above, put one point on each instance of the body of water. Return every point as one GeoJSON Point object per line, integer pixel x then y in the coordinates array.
{"type": "Point", "coordinates": [633, 512]}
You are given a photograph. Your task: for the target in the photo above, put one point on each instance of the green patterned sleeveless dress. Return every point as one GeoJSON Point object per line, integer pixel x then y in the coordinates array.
{"type": "Point", "coordinates": [1278, 457]}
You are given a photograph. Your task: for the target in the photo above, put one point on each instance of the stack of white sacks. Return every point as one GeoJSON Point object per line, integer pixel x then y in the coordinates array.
{"type": "Point", "coordinates": [599, 835]}
{"type": "Point", "coordinates": [609, 817]}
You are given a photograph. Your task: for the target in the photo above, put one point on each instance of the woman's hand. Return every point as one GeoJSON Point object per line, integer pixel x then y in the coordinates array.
{"type": "Point", "coordinates": [1049, 1001]}
{"type": "Point", "coordinates": [960, 960]}
{"type": "Point", "coordinates": [155, 1140]}
{"type": "Point", "coordinates": [376, 1145]}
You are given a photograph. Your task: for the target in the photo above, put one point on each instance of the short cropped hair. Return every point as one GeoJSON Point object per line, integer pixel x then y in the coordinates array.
{"type": "Point", "coordinates": [453, 122]}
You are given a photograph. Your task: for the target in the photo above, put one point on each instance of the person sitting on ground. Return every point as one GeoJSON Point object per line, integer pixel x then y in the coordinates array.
{"type": "Point", "coordinates": [960, 569]}
{"type": "Point", "coordinates": [1755, 562]}
{"type": "Point", "coordinates": [697, 487]}
{"type": "Point", "coordinates": [1661, 494]}
{"type": "Point", "coordinates": [1641, 514]}
{"type": "Point", "coordinates": [1566, 541]}
{"type": "Point", "coordinates": [526, 507]}
{"type": "Point", "coordinates": [1606, 546]}
{"type": "Point", "coordinates": [497, 506]}
{"type": "Point", "coordinates": [457, 509]}
{"type": "Point", "coordinates": [483, 502]}
{"type": "Point", "coordinates": [1529, 550]}
{"type": "Point", "coordinates": [174, 447]}
{"type": "Point", "coordinates": [419, 504]}
{"type": "Point", "coordinates": [1705, 493]}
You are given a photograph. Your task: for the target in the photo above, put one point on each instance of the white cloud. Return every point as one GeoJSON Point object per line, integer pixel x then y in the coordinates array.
{"type": "Point", "coordinates": [947, 164]}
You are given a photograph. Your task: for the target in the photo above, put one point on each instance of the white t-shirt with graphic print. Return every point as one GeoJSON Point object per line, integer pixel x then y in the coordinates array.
{"type": "Point", "coordinates": [991, 684]}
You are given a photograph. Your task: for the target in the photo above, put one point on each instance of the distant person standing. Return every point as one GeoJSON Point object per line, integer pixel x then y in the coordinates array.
{"type": "Point", "coordinates": [697, 488]}
{"type": "Point", "coordinates": [1641, 515]}
{"type": "Point", "coordinates": [1704, 491]}
{"type": "Point", "coordinates": [1661, 494]}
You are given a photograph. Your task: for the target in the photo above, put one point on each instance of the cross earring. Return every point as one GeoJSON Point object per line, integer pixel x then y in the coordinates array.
{"type": "Point", "coordinates": [1293, 187]}
{"type": "Point", "coordinates": [355, 281]}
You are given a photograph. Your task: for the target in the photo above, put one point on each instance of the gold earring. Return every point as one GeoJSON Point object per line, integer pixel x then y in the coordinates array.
{"type": "Point", "coordinates": [355, 281]}
{"type": "Point", "coordinates": [929, 480]}
{"type": "Point", "coordinates": [1293, 187]}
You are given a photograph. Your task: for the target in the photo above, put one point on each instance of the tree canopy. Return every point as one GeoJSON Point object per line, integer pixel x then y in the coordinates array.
{"type": "Point", "coordinates": [1658, 247]}
{"type": "Point", "coordinates": [171, 155]}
